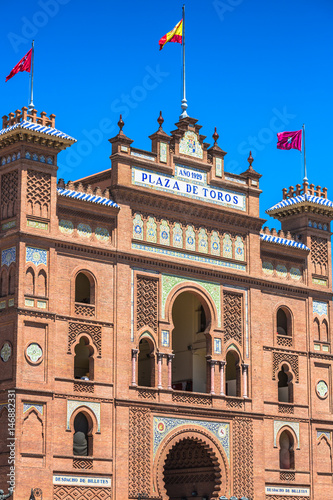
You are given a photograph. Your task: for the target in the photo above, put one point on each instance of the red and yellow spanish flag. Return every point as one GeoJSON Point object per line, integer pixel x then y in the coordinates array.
{"type": "Point", "coordinates": [175, 35]}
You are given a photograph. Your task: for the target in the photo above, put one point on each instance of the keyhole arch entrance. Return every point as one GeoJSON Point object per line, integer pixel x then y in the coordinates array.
{"type": "Point", "coordinates": [188, 462]}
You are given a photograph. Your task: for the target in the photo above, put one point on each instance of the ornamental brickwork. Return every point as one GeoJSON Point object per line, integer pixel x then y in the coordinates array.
{"type": "Point", "coordinates": [155, 341]}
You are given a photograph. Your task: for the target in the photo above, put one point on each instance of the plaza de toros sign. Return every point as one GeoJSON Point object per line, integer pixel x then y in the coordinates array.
{"type": "Point", "coordinates": [188, 182]}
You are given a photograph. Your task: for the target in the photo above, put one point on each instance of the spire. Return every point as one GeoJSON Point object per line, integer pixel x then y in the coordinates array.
{"type": "Point", "coordinates": [215, 137]}
{"type": "Point", "coordinates": [250, 160]}
{"type": "Point", "coordinates": [160, 121]}
{"type": "Point", "coordinates": [121, 124]}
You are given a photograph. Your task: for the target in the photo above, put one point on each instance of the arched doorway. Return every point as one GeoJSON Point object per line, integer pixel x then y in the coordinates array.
{"type": "Point", "coordinates": [189, 343]}
{"type": "Point", "coordinates": [191, 470]}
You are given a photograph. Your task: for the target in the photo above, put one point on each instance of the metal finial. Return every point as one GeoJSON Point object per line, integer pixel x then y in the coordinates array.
{"type": "Point", "coordinates": [250, 159]}
{"type": "Point", "coordinates": [160, 121]}
{"type": "Point", "coordinates": [121, 123]}
{"type": "Point", "coordinates": [215, 136]}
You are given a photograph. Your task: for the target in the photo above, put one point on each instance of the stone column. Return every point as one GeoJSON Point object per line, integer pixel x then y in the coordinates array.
{"type": "Point", "coordinates": [212, 376]}
{"type": "Point", "coordinates": [222, 368]}
{"type": "Point", "coordinates": [159, 370]}
{"type": "Point", "coordinates": [170, 358]}
{"type": "Point", "coordinates": [134, 360]}
{"type": "Point", "coordinates": [244, 370]}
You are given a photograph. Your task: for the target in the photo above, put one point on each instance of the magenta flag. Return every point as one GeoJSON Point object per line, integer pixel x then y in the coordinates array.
{"type": "Point", "coordinates": [290, 140]}
{"type": "Point", "coordinates": [23, 65]}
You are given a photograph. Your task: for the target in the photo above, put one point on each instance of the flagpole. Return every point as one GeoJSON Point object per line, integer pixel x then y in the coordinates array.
{"type": "Point", "coordinates": [184, 101]}
{"type": "Point", "coordinates": [31, 104]}
{"type": "Point", "coordinates": [305, 176]}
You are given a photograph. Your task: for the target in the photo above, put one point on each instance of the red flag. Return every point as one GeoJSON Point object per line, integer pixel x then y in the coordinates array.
{"type": "Point", "coordinates": [290, 140]}
{"type": "Point", "coordinates": [23, 65]}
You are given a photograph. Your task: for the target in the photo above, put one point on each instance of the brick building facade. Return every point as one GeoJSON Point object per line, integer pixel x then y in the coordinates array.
{"type": "Point", "coordinates": [160, 344]}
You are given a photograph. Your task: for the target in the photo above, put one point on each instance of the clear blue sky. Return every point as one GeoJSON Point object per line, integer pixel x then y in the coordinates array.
{"type": "Point", "coordinates": [249, 63]}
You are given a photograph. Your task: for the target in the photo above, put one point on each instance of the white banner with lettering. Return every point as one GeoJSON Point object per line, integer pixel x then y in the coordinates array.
{"type": "Point", "coordinates": [96, 482]}
{"type": "Point", "coordinates": [193, 188]}
{"type": "Point", "coordinates": [291, 491]}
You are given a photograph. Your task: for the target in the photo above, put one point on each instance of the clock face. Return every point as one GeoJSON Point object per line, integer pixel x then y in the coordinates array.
{"type": "Point", "coordinates": [322, 389]}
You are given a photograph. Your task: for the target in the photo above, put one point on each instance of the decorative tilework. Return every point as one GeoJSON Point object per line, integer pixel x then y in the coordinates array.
{"type": "Point", "coordinates": [49, 160]}
{"type": "Point", "coordinates": [165, 338]}
{"type": "Point", "coordinates": [8, 225]}
{"type": "Point", "coordinates": [190, 239]}
{"type": "Point", "coordinates": [34, 352]}
{"type": "Point", "coordinates": [29, 302]}
{"type": "Point", "coordinates": [163, 152]}
{"type": "Point", "coordinates": [124, 148]}
{"type": "Point", "coordinates": [217, 346]}
{"type": "Point", "coordinates": [11, 303]}
{"type": "Point", "coordinates": [8, 256]}
{"type": "Point", "coordinates": [102, 234]}
{"type": "Point", "coordinates": [195, 175]}
{"type": "Point", "coordinates": [318, 281]}
{"type": "Point", "coordinates": [215, 246]}
{"type": "Point", "coordinates": [6, 352]}
{"type": "Point", "coordinates": [162, 426]}
{"type": "Point", "coordinates": [227, 246]}
{"type": "Point", "coordinates": [164, 233]}
{"type": "Point", "coordinates": [327, 434]}
{"type": "Point", "coordinates": [41, 304]}
{"type": "Point", "coordinates": [190, 145]}
{"type": "Point", "coordinates": [151, 230]}
{"type": "Point", "coordinates": [322, 389]}
{"type": "Point", "coordinates": [278, 424]}
{"type": "Point", "coordinates": [66, 226]}
{"type": "Point", "coordinates": [239, 249]}
{"type": "Point", "coordinates": [213, 289]}
{"type": "Point", "coordinates": [138, 227]}
{"type": "Point", "coordinates": [177, 235]}
{"type": "Point", "coordinates": [28, 406]}
{"type": "Point", "coordinates": [218, 167]}
{"type": "Point", "coordinates": [84, 230]}
{"type": "Point", "coordinates": [202, 241]}
{"type": "Point", "coordinates": [36, 255]}
{"type": "Point", "coordinates": [140, 155]}
{"type": "Point", "coordinates": [37, 225]}
{"type": "Point", "coordinates": [194, 258]}
{"type": "Point", "coordinates": [72, 405]}
{"type": "Point", "coordinates": [267, 267]}
{"type": "Point", "coordinates": [3, 304]}
{"type": "Point", "coordinates": [189, 188]}
{"type": "Point", "coordinates": [295, 273]}
{"type": "Point", "coordinates": [319, 308]}
{"type": "Point", "coordinates": [281, 271]}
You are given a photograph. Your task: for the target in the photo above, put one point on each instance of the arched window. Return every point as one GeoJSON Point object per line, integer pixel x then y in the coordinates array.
{"type": "Point", "coordinates": [83, 360]}
{"type": "Point", "coordinates": [316, 329]}
{"type": "Point", "coordinates": [146, 364]}
{"type": "Point", "coordinates": [41, 284]}
{"type": "Point", "coordinates": [285, 385]}
{"type": "Point", "coordinates": [324, 331]}
{"type": "Point", "coordinates": [30, 282]}
{"type": "Point", "coordinates": [82, 439]}
{"type": "Point", "coordinates": [287, 451]}
{"type": "Point", "coordinates": [84, 289]}
{"type": "Point", "coordinates": [3, 288]}
{"type": "Point", "coordinates": [190, 343]}
{"type": "Point", "coordinates": [283, 322]}
{"type": "Point", "coordinates": [11, 281]}
{"type": "Point", "coordinates": [233, 382]}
